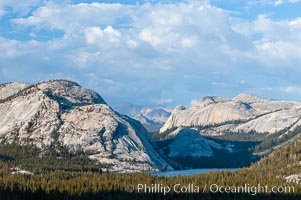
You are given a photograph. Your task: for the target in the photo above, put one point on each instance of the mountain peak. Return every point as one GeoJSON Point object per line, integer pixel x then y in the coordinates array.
{"type": "Point", "coordinates": [214, 98]}
{"type": "Point", "coordinates": [71, 91]}
{"type": "Point", "coordinates": [62, 81]}
{"type": "Point", "coordinates": [180, 107]}
{"type": "Point", "coordinates": [61, 113]}
{"type": "Point", "coordinates": [248, 98]}
{"type": "Point", "coordinates": [207, 100]}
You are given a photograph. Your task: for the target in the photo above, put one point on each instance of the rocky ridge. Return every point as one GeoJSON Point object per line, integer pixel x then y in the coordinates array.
{"type": "Point", "coordinates": [242, 114]}
{"type": "Point", "coordinates": [62, 113]}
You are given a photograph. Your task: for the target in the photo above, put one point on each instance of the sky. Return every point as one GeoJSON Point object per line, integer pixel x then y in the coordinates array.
{"type": "Point", "coordinates": [152, 52]}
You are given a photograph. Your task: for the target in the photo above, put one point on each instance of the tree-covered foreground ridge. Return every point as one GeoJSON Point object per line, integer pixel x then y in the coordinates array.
{"type": "Point", "coordinates": [67, 176]}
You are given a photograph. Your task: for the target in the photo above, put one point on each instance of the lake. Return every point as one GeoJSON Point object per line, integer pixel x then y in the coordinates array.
{"type": "Point", "coordinates": [191, 171]}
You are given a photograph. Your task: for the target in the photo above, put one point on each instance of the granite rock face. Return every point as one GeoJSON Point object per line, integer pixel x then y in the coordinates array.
{"type": "Point", "coordinates": [188, 142]}
{"type": "Point", "coordinates": [64, 113]}
{"type": "Point", "coordinates": [9, 89]}
{"type": "Point", "coordinates": [242, 114]}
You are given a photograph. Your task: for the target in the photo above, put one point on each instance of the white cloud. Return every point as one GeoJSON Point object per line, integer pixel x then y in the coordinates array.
{"type": "Point", "coordinates": [71, 18]}
{"type": "Point", "coordinates": [242, 82]}
{"type": "Point", "coordinates": [286, 30]}
{"type": "Point", "coordinates": [194, 102]}
{"type": "Point", "coordinates": [279, 92]}
{"type": "Point", "coordinates": [148, 36]}
{"type": "Point", "coordinates": [279, 2]}
{"type": "Point", "coordinates": [11, 49]}
{"type": "Point", "coordinates": [280, 45]}
{"type": "Point", "coordinates": [131, 43]}
{"type": "Point", "coordinates": [112, 34]}
{"type": "Point", "coordinates": [279, 54]}
{"type": "Point", "coordinates": [291, 89]}
{"type": "Point", "coordinates": [163, 101]}
{"type": "Point", "coordinates": [104, 39]}
{"type": "Point", "coordinates": [188, 42]}
{"type": "Point", "coordinates": [272, 2]}
{"type": "Point", "coordinates": [93, 35]}
{"type": "Point", "coordinates": [139, 51]}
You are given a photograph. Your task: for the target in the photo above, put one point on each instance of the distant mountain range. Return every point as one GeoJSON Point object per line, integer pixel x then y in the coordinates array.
{"type": "Point", "coordinates": [152, 117]}
{"type": "Point", "coordinates": [61, 113]}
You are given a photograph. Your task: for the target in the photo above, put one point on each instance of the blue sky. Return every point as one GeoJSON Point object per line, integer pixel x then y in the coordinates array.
{"type": "Point", "coordinates": [155, 52]}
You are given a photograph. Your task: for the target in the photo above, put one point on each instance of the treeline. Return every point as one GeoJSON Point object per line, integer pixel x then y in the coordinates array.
{"type": "Point", "coordinates": [277, 138]}
{"type": "Point", "coordinates": [49, 160]}
{"type": "Point", "coordinates": [88, 185]}
{"type": "Point", "coordinates": [64, 184]}
{"type": "Point", "coordinates": [251, 136]}
{"type": "Point", "coordinates": [242, 157]}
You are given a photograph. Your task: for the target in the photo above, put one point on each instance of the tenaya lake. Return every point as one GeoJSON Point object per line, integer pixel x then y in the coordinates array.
{"type": "Point", "coordinates": [191, 171]}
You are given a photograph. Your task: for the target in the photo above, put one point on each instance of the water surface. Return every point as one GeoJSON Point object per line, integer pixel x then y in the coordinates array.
{"type": "Point", "coordinates": [191, 171]}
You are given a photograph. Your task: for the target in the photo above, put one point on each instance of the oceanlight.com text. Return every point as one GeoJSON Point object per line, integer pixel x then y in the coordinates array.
{"type": "Point", "coordinates": [212, 188]}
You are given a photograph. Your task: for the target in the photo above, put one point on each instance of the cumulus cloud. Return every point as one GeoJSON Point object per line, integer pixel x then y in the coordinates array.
{"type": "Point", "coordinates": [162, 52]}
{"type": "Point", "coordinates": [73, 18]}
{"type": "Point", "coordinates": [97, 36]}
{"type": "Point", "coordinates": [280, 45]}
